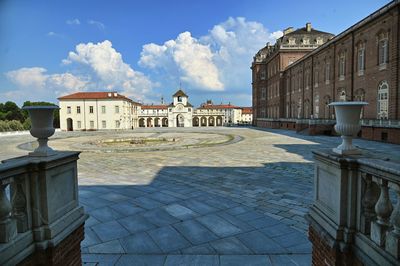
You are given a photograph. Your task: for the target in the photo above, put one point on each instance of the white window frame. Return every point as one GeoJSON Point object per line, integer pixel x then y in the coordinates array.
{"type": "Point", "coordinates": [383, 100]}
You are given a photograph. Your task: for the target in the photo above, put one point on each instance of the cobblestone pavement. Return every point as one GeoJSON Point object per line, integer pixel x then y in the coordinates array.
{"type": "Point", "coordinates": [241, 203]}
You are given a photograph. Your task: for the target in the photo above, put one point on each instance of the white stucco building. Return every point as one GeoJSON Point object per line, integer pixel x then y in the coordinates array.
{"type": "Point", "coordinates": [97, 111]}
{"type": "Point", "coordinates": [247, 115]}
{"type": "Point", "coordinates": [110, 110]}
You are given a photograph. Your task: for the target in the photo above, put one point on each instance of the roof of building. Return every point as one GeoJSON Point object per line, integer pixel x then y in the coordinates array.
{"type": "Point", "coordinates": [179, 93]}
{"type": "Point", "coordinates": [352, 28]}
{"type": "Point", "coordinates": [303, 31]}
{"type": "Point", "coordinates": [95, 96]}
{"type": "Point", "coordinates": [160, 106]}
{"type": "Point", "coordinates": [218, 106]}
{"type": "Point", "coordinates": [247, 110]}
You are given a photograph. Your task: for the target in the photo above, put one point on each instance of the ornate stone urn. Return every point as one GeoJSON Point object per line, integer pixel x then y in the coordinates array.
{"type": "Point", "coordinates": [347, 125]}
{"type": "Point", "coordinates": [42, 128]}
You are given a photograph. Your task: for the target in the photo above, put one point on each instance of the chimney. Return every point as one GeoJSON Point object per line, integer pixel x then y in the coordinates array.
{"type": "Point", "coordinates": [288, 30]}
{"type": "Point", "coordinates": [308, 26]}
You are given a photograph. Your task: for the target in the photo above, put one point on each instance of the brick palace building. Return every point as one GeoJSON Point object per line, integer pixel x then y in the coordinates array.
{"type": "Point", "coordinates": [295, 79]}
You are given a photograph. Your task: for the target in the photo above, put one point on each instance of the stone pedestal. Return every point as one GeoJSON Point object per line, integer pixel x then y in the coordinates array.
{"type": "Point", "coordinates": [46, 205]}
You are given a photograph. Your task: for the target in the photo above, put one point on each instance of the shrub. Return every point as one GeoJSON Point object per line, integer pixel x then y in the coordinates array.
{"type": "Point", "coordinates": [4, 126]}
{"type": "Point", "coordinates": [27, 124]}
{"type": "Point", "coordinates": [13, 125]}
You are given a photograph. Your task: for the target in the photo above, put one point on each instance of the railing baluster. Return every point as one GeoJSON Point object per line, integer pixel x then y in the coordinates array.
{"type": "Point", "coordinates": [383, 209]}
{"type": "Point", "coordinates": [393, 238]}
{"type": "Point", "coordinates": [19, 206]}
{"type": "Point", "coordinates": [368, 202]}
{"type": "Point", "coordinates": [8, 229]}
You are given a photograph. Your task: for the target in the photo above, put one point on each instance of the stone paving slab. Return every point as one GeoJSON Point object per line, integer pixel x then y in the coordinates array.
{"type": "Point", "coordinates": [237, 204]}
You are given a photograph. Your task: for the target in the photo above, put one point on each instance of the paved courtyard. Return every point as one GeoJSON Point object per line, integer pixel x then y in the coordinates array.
{"type": "Point", "coordinates": [237, 197]}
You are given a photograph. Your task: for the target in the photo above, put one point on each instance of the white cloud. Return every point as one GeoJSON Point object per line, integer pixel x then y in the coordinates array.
{"type": "Point", "coordinates": [193, 59]}
{"type": "Point", "coordinates": [74, 21]}
{"type": "Point", "coordinates": [219, 60]}
{"type": "Point", "coordinates": [109, 70]}
{"type": "Point", "coordinates": [34, 83]}
{"type": "Point", "coordinates": [92, 67]}
{"type": "Point", "coordinates": [34, 77]}
{"type": "Point", "coordinates": [98, 24]}
{"type": "Point", "coordinates": [54, 34]}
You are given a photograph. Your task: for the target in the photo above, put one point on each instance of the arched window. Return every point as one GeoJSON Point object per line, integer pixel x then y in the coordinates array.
{"type": "Point", "coordinates": [383, 100]}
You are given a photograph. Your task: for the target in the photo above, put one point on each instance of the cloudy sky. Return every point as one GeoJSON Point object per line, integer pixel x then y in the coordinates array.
{"type": "Point", "coordinates": [146, 49]}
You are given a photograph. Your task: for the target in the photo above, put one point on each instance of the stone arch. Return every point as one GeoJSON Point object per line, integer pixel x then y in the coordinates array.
{"type": "Point", "coordinates": [142, 122]}
{"type": "Point", "coordinates": [149, 122]}
{"type": "Point", "coordinates": [165, 122]}
{"type": "Point", "coordinates": [180, 121]}
{"type": "Point", "coordinates": [196, 121]}
{"type": "Point", "coordinates": [211, 121]}
{"type": "Point", "coordinates": [203, 121]}
{"type": "Point", "coordinates": [219, 121]}
{"type": "Point", "coordinates": [157, 122]}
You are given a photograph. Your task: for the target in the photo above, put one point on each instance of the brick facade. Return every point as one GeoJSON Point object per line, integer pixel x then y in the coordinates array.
{"type": "Point", "coordinates": [347, 67]}
{"type": "Point", "coordinates": [66, 253]}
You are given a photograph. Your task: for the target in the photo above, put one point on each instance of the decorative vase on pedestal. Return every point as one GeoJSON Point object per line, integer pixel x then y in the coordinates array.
{"type": "Point", "coordinates": [347, 125]}
{"type": "Point", "coordinates": [42, 128]}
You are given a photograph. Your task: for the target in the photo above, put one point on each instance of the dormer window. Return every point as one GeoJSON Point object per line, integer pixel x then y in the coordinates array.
{"type": "Point", "coordinates": [306, 41]}
{"type": "Point", "coordinates": [179, 99]}
{"type": "Point", "coordinates": [292, 41]}
{"type": "Point", "coordinates": [319, 40]}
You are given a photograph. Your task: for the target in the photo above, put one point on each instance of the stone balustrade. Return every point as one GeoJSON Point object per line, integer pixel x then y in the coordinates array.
{"type": "Point", "coordinates": [39, 210]}
{"type": "Point", "coordinates": [353, 219]}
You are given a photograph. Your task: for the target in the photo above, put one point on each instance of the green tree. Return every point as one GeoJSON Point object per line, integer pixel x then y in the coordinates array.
{"type": "Point", "coordinates": [11, 111]}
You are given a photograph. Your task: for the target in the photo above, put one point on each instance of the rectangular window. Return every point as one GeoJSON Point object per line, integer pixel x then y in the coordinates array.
{"type": "Point", "coordinates": [91, 109]}
{"type": "Point", "coordinates": [103, 109]}
{"type": "Point", "coordinates": [263, 93]}
{"type": "Point", "coordinates": [117, 109]}
{"type": "Point", "coordinates": [361, 61]}
{"type": "Point", "coordinates": [91, 124]}
{"type": "Point", "coordinates": [383, 52]}
{"type": "Point", "coordinates": [103, 124]}
{"type": "Point", "coordinates": [68, 109]}
{"type": "Point", "coordinates": [327, 73]}
{"type": "Point", "coordinates": [316, 78]}
{"type": "Point", "coordinates": [263, 74]}
{"type": "Point", "coordinates": [79, 124]}
{"type": "Point", "coordinates": [342, 62]}
{"type": "Point", "coordinates": [78, 109]}
{"type": "Point", "coordinates": [117, 123]}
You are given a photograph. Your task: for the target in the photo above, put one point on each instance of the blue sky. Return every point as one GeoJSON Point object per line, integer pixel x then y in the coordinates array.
{"type": "Point", "coordinates": [145, 49]}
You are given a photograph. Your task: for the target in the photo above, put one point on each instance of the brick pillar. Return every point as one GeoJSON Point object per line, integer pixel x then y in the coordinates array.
{"type": "Point", "coordinates": [67, 252]}
{"type": "Point", "coordinates": [326, 251]}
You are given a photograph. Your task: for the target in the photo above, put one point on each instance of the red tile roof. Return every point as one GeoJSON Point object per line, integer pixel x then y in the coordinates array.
{"type": "Point", "coordinates": [247, 110]}
{"type": "Point", "coordinates": [95, 96]}
{"type": "Point", "coordinates": [161, 106]}
{"type": "Point", "coordinates": [218, 106]}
